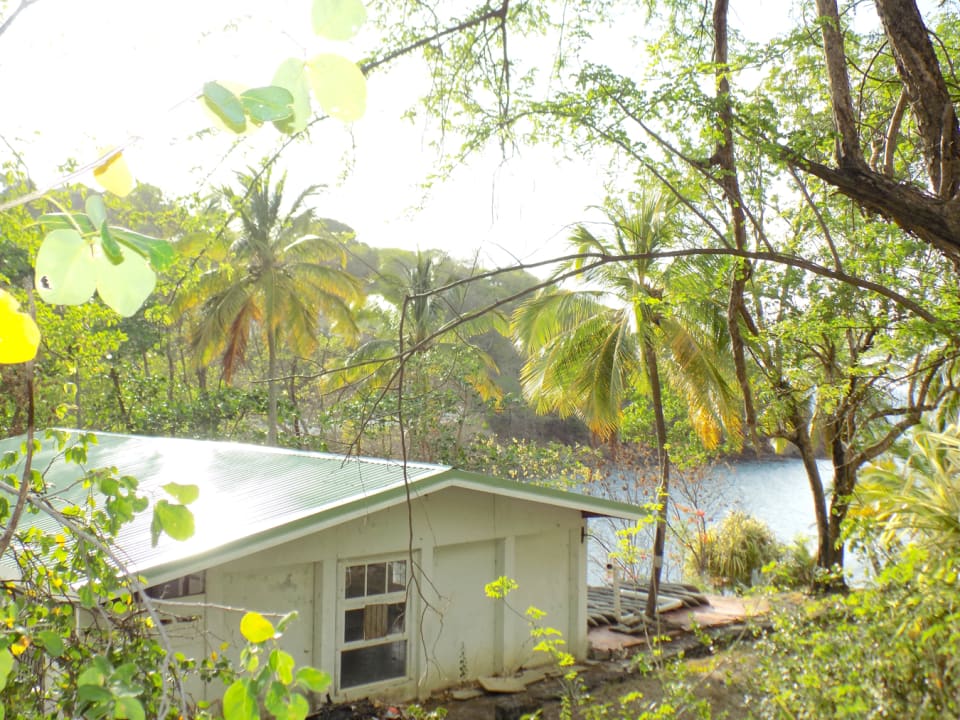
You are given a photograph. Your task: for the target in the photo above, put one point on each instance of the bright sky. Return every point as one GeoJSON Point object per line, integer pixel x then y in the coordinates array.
{"type": "Point", "coordinates": [78, 76]}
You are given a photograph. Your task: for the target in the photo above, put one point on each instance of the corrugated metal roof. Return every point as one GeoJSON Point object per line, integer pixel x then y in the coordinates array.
{"type": "Point", "coordinates": [253, 497]}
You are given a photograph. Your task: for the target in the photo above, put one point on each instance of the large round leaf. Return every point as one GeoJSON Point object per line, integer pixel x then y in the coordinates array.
{"type": "Point", "coordinates": [339, 86]}
{"type": "Point", "coordinates": [338, 19]}
{"type": "Point", "coordinates": [267, 104]}
{"type": "Point", "coordinates": [291, 75]}
{"type": "Point", "coordinates": [124, 287]}
{"type": "Point", "coordinates": [240, 702]}
{"type": "Point", "coordinates": [66, 270]}
{"type": "Point", "coordinates": [19, 335]}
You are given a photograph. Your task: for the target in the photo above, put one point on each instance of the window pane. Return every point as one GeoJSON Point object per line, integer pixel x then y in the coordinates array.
{"type": "Point", "coordinates": [396, 620]}
{"type": "Point", "coordinates": [371, 664]}
{"type": "Point", "coordinates": [353, 625]}
{"type": "Point", "coordinates": [374, 622]}
{"type": "Point", "coordinates": [195, 584]}
{"type": "Point", "coordinates": [398, 576]}
{"type": "Point", "coordinates": [354, 585]}
{"type": "Point", "coordinates": [376, 578]}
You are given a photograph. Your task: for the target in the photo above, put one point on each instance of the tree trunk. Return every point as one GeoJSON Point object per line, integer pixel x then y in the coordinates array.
{"type": "Point", "coordinates": [927, 91]}
{"type": "Point", "coordinates": [802, 441]}
{"type": "Point", "coordinates": [844, 482]}
{"type": "Point", "coordinates": [77, 405]}
{"type": "Point", "coordinates": [663, 486]}
{"type": "Point", "coordinates": [272, 387]}
{"type": "Point", "coordinates": [934, 215]}
{"type": "Point", "coordinates": [736, 309]}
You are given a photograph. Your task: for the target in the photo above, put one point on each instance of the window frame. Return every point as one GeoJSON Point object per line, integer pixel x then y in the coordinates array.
{"type": "Point", "coordinates": [346, 604]}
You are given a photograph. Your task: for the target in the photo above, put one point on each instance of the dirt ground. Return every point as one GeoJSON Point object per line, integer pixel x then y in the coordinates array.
{"type": "Point", "coordinates": [714, 672]}
{"type": "Point", "coordinates": [716, 677]}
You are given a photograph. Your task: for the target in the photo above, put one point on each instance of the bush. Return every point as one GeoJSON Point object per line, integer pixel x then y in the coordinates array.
{"type": "Point", "coordinates": [795, 569]}
{"type": "Point", "coordinates": [889, 651]}
{"type": "Point", "coordinates": [736, 550]}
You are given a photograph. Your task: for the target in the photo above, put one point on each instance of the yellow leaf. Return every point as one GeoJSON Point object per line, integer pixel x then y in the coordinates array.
{"type": "Point", "coordinates": [114, 175]}
{"type": "Point", "coordinates": [256, 628]}
{"type": "Point", "coordinates": [19, 335]}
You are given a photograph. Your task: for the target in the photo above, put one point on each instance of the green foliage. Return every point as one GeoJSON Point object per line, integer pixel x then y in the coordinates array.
{"type": "Point", "coordinates": [81, 254]}
{"type": "Point", "coordinates": [270, 675]}
{"type": "Point", "coordinates": [914, 493]}
{"type": "Point", "coordinates": [76, 624]}
{"type": "Point", "coordinates": [571, 467]}
{"type": "Point", "coordinates": [736, 549]}
{"type": "Point", "coordinates": [794, 569]}
{"type": "Point", "coordinates": [501, 587]}
{"type": "Point", "coordinates": [890, 650]}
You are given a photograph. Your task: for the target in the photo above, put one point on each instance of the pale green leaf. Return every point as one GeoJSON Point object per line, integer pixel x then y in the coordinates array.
{"type": "Point", "coordinates": [92, 675]}
{"type": "Point", "coordinates": [96, 210]}
{"type": "Point", "coordinates": [239, 702]}
{"type": "Point", "coordinates": [159, 252]}
{"type": "Point", "coordinates": [282, 663]}
{"type": "Point", "coordinates": [175, 520]}
{"type": "Point", "coordinates": [66, 271]}
{"type": "Point", "coordinates": [338, 19]}
{"type": "Point", "coordinates": [338, 85]}
{"type": "Point", "coordinates": [291, 75]}
{"type": "Point", "coordinates": [6, 667]}
{"type": "Point", "coordinates": [52, 642]}
{"type": "Point", "coordinates": [225, 105]}
{"type": "Point", "coordinates": [66, 221]}
{"type": "Point", "coordinates": [298, 708]}
{"type": "Point", "coordinates": [109, 245]}
{"type": "Point", "coordinates": [184, 494]}
{"type": "Point", "coordinates": [128, 708]}
{"type": "Point", "coordinates": [312, 679]}
{"type": "Point", "coordinates": [256, 628]}
{"type": "Point", "coordinates": [126, 286]}
{"type": "Point", "coordinates": [267, 104]}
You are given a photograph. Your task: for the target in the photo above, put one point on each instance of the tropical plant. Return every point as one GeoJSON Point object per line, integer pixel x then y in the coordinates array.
{"type": "Point", "coordinates": [914, 494]}
{"type": "Point", "coordinates": [588, 350]}
{"type": "Point", "coordinates": [736, 549]}
{"type": "Point", "coordinates": [899, 635]}
{"type": "Point", "coordinates": [280, 275]}
{"type": "Point", "coordinates": [437, 374]}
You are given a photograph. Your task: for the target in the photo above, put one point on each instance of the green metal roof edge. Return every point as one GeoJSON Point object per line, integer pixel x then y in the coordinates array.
{"type": "Point", "coordinates": [332, 516]}
{"type": "Point", "coordinates": [590, 503]}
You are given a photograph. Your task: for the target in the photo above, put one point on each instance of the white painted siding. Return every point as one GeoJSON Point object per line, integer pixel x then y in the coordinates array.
{"type": "Point", "coordinates": [462, 539]}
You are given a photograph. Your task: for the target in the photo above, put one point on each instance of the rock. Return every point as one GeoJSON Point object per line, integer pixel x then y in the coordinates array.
{"type": "Point", "coordinates": [466, 694]}
{"type": "Point", "coordinates": [515, 708]}
{"type": "Point", "coordinates": [501, 684]}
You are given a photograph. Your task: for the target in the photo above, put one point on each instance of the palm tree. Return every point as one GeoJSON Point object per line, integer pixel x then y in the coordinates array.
{"type": "Point", "coordinates": [432, 360]}
{"type": "Point", "coordinates": [587, 350]}
{"type": "Point", "coordinates": [279, 276]}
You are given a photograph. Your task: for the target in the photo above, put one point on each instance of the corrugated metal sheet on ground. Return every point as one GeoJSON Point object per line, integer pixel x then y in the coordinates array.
{"type": "Point", "coordinates": [633, 603]}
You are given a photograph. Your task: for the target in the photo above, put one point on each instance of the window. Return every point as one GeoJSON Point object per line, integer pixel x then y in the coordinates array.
{"type": "Point", "coordinates": [373, 643]}
{"type": "Point", "coordinates": [193, 584]}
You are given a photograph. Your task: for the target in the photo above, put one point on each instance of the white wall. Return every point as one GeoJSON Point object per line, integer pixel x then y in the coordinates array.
{"type": "Point", "coordinates": [462, 539]}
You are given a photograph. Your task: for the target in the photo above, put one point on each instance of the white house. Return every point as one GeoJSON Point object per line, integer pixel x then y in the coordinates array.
{"type": "Point", "coordinates": [390, 593]}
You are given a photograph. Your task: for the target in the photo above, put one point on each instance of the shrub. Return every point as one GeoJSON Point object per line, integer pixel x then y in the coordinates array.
{"type": "Point", "coordinates": [736, 549]}
{"type": "Point", "coordinates": [795, 569]}
{"type": "Point", "coordinates": [889, 651]}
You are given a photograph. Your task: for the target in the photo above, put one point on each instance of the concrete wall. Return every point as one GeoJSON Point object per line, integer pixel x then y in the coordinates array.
{"type": "Point", "coordinates": [462, 540]}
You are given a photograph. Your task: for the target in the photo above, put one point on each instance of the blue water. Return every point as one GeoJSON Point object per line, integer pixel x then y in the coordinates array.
{"type": "Point", "coordinates": [775, 491]}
